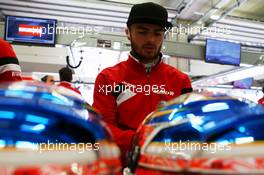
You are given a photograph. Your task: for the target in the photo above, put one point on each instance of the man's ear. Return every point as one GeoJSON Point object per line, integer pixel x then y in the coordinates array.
{"type": "Point", "coordinates": [127, 33]}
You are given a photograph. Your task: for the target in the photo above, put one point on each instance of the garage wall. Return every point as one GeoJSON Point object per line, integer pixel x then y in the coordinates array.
{"type": "Point", "coordinates": [49, 59]}
{"type": "Point", "coordinates": [198, 68]}
{"type": "Point", "coordinates": [40, 59]}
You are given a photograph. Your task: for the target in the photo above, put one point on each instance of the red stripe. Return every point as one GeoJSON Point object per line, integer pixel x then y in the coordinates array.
{"type": "Point", "coordinates": [30, 27]}
{"type": "Point", "coordinates": [29, 33]}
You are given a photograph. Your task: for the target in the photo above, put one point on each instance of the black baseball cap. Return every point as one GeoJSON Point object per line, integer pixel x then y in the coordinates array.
{"type": "Point", "coordinates": [149, 13]}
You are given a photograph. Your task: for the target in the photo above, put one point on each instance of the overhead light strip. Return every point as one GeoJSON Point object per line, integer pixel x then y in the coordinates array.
{"type": "Point", "coordinates": [245, 41]}
{"type": "Point", "coordinates": [239, 28]}
{"type": "Point", "coordinates": [239, 33]}
{"type": "Point", "coordinates": [68, 19]}
{"type": "Point", "coordinates": [86, 4]}
{"type": "Point", "coordinates": [98, 5]}
{"type": "Point", "coordinates": [243, 23]}
{"type": "Point", "coordinates": [66, 14]}
{"type": "Point", "coordinates": [61, 7]}
{"type": "Point", "coordinates": [100, 9]}
{"type": "Point", "coordinates": [235, 38]}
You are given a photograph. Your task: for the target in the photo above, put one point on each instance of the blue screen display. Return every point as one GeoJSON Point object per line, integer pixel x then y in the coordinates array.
{"type": "Point", "coordinates": [30, 30]}
{"type": "Point", "coordinates": [222, 52]}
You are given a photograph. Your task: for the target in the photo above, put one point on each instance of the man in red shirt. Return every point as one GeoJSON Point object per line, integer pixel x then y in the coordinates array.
{"type": "Point", "coordinates": [261, 101]}
{"type": "Point", "coordinates": [9, 65]}
{"type": "Point", "coordinates": [65, 80]}
{"type": "Point", "coordinates": [127, 92]}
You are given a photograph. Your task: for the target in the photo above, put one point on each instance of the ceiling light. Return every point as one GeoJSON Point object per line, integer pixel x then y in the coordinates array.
{"type": "Point", "coordinates": [215, 17]}
{"type": "Point", "coordinates": [249, 24]}
{"type": "Point", "coordinates": [239, 28]}
{"type": "Point", "coordinates": [64, 8]}
{"type": "Point", "coordinates": [69, 19]}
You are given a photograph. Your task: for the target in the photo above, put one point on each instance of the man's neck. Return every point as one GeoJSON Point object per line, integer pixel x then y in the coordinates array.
{"type": "Point", "coordinates": [145, 61]}
{"type": "Point", "coordinates": [148, 65]}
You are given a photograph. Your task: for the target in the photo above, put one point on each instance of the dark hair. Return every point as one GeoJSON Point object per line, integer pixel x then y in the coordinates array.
{"type": "Point", "coordinates": [44, 79]}
{"type": "Point", "coordinates": [65, 74]}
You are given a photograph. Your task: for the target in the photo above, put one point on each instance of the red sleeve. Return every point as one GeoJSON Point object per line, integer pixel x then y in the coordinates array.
{"type": "Point", "coordinates": [187, 86]}
{"type": "Point", "coordinates": [105, 103]}
{"type": "Point", "coordinates": [261, 101]}
{"type": "Point", "coordinates": [10, 76]}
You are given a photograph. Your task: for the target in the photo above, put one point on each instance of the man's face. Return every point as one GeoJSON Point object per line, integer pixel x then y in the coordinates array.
{"type": "Point", "coordinates": [146, 40]}
{"type": "Point", "coordinates": [50, 80]}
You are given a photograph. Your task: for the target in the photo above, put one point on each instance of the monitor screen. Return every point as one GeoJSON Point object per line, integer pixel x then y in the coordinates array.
{"type": "Point", "coordinates": [243, 83]}
{"type": "Point", "coordinates": [222, 52]}
{"type": "Point", "coordinates": [30, 30]}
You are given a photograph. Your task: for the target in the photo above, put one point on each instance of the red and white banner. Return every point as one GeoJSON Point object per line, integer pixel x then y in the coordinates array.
{"type": "Point", "coordinates": [30, 30]}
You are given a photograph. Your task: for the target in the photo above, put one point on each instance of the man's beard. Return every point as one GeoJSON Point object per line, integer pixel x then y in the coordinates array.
{"type": "Point", "coordinates": [141, 57]}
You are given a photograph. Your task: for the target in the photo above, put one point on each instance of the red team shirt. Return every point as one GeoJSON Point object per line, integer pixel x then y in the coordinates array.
{"type": "Point", "coordinates": [9, 65]}
{"type": "Point", "coordinates": [69, 86]}
{"type": "Point", "coordinates": [125, 94]}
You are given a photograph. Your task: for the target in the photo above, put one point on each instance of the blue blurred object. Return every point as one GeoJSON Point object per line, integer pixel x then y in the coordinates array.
{"type": "Point", "coordinates": [33, 114]}
{"type": "Point", "coordinates": [243, 83]}
{"type": "Point", "coordinates": [40, 110]}
{"type": "Point", "coordinates": [200, 121]}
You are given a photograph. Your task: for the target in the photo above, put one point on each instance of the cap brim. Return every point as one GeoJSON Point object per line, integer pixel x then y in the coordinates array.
{"type": "Point", "coordinates": [148, 20]}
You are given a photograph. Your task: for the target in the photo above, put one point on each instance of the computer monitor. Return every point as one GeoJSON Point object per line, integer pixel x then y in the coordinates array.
{"type": "Point", "coordinates": [33, 31]}
{"type": "Point", "coordinates": [222, 52]}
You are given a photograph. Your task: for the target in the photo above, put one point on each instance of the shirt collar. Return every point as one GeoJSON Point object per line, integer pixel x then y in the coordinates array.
{"type": "Point", "coordinates": [148, 66]}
